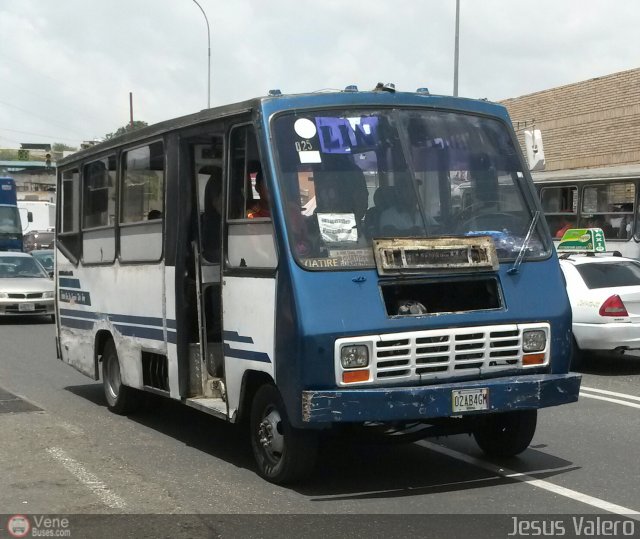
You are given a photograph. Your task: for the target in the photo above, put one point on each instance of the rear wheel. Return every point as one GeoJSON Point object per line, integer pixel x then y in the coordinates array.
{"type": "Point", "coordinates": [121, 399]}
{"type": "Point", "coordinates": [283, 454]}
{"type": "Point", "coordinates": [506, 434]}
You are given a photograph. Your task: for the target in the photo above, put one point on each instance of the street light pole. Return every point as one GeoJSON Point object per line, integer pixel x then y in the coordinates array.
{"type": "Point", "coordinates": [208, 56]}
{"type": "Point", "coordinates": [455, 57]}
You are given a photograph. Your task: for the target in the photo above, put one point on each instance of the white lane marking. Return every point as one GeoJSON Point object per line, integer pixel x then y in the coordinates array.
{"type": "Point", "coordinates": [616, 401]}
{"type": "Point", "coordinates": [525, 478]}
{"type": "Point", "coordinates": [91, 481]}
{"type": "Point", "coordinates": [611, 393]}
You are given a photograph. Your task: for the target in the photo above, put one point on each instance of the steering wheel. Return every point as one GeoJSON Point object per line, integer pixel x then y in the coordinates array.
{"type": "Point", "coordinates": [491, 221]}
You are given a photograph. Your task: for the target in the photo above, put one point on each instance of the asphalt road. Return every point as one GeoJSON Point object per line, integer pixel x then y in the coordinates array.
{"type": "Point", "coordinates": [63, 452]}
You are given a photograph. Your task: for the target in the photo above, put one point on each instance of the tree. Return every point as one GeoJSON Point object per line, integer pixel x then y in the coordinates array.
{"type": "Point", "coordinates": [59, 147]}
{"type": "Point", "coordinates": [126, 129]}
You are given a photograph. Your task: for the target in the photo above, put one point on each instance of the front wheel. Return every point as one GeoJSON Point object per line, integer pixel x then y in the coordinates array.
{"type": "Point", "coordinates": [283, 454]}
{"type": "Point", "coordinates": [506, 434]}
{"type": "Point", "coordinates": [121, 399]}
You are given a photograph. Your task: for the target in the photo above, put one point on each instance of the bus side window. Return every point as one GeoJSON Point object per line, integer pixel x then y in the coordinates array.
{"type": "Point", "coordinates": [69, 225]}
{"type": "Point", "coordinates": [250, 241]}
{"type": "Point", "coordinates": [142, 203]}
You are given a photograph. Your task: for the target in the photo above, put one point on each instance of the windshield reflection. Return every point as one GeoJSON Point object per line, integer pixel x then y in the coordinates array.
{"type": "Point", "coordinates": [20, 266]}
{"type": "Point", "coordinates": [348, 177]}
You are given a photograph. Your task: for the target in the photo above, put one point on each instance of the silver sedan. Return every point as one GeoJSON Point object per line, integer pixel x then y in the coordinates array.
{"type": "Point", "coordinates": [25, 287]}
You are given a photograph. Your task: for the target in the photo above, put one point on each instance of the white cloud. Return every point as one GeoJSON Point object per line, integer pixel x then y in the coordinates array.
{"type": "Point", "coordinates": [67, 67]}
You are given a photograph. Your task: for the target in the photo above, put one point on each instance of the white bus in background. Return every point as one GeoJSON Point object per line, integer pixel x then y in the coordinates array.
{"type": "Point", "coordinates": [605, 197]}
{"type": "Point", "coordinates": [43, 215]}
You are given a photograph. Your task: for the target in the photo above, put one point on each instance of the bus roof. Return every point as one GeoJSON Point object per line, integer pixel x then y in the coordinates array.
{"type": "Point", "coordinates": [617, 172]}
{"type": "Point", "coordinates": [273, 104]}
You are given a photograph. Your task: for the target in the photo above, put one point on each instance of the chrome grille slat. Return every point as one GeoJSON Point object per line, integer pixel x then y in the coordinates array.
{"type": "Point", "coordinates": [456, 351]}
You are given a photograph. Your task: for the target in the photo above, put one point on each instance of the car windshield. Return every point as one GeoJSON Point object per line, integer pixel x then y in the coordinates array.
{"type": "Point", "coordinates": [348, 177]}
{"type": "Point", "coordinates": [20, 266]}
{"type": "Point", "coordinates": [10, 220]}
{"type": "Point", "coordinates": [45, 258]}
{"type": "Point", "coordinates": [610, 274]}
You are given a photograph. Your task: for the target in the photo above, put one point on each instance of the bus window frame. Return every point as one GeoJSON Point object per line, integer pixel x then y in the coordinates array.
{"type": "Point", "coordinates": [245, 222]}
{"type": "Point", "coordinates": [122, 152]}
{"type": "Point", "coordinates": [114, 226]}
{"type": "Point", "coordinates": [74, 258]}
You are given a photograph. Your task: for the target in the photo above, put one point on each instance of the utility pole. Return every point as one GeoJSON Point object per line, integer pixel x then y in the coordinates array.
{"type": "Point", "coordinates": [456, 53]}
{"type": "Point", "coordinates": [131, 110]}
{"type": "Point", "coordinates": [208, 56]}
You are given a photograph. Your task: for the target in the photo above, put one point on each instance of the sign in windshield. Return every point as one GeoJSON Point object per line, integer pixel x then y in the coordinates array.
{"type": "Point", "coordinates": [349, 177]}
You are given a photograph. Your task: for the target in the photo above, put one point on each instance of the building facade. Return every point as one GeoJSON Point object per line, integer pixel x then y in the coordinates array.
{"type": "Point", "coordinates": [587, 124]}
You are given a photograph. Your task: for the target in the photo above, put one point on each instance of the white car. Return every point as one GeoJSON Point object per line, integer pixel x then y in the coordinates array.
{"type": "Point", "coordinates": [604, 292]}
{"type": "Point", "coordinates": [25, 286]}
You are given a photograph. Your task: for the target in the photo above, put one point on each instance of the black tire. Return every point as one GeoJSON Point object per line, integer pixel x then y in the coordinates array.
{"type": "Point", "coordinates": [506, 434]}
{"type": "Point", "coordinates": [283, 454]}
{"type": "Point", "coordinates": [121, 399]}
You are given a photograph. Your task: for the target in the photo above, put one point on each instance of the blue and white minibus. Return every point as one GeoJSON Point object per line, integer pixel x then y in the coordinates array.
{"type": "Point", "coordinates": [301, 265]}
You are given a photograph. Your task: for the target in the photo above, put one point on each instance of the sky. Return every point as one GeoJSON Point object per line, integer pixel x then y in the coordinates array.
{"type": "Point", "coordinates": [67, 67]}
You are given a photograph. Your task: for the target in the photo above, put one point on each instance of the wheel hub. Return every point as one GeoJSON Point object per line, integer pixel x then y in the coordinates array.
{"type": "Point", "coordinates": [269, 434]}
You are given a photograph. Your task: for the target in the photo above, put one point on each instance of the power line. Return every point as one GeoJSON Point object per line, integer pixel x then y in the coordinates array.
{"type": "Point", "coordinates": [41, 118]}
{"type": "Point", "coordinates": [45, 99]}
{"type": "Point", "coordinates": [36, 134]}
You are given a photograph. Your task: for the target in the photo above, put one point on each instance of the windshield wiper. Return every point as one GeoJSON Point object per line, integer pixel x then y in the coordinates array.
{"type": "Point", "coordinates": [516, 265]}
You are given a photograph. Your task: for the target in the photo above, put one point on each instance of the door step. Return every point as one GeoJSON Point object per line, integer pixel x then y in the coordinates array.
{"type": "Point", "coordinates": [216, 407]}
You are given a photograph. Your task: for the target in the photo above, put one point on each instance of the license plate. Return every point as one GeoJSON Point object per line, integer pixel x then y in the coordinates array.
{"type": "Point", "coordinates": [26, 307]}
{"type": "Point", "coordinates": [470, 400]}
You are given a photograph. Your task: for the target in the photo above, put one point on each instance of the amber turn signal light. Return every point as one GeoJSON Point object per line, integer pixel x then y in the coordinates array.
{"type": "Point", "coordinates": [349, 377]}
{"type": "Point", "coordinates": [533, 359]}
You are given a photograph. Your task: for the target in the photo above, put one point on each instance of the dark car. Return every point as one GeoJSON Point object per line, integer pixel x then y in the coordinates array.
{"type": "Point", "coordinates": [39, 240]}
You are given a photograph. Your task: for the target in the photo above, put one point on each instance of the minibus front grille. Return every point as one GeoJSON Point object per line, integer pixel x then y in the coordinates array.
{"type": "Point", "coordinates": [455, 352]}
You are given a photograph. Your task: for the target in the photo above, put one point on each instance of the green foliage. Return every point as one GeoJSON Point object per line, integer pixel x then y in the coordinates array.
{"type": "Point", "coordinates": [59, 147]}
{"type": "Point", "coordinates": [126, 129]}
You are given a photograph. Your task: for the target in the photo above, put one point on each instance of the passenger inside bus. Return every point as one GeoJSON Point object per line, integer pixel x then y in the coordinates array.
{"type": "Point", "coordinates": [341, 187]}
{"type": "Point", "coordinates": [382, 199]}
{"type": "Point", "coordinates": [403, 217]}
{"type": "Point", "coordinates": [260, 208]}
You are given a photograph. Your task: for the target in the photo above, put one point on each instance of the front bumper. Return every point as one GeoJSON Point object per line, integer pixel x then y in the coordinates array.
{"type": "Point", "coordinates": [16, 307]}
{"type": "Point", "coordinates": [607, 336]}
{"type": "Point", "coordinates": [423, 402]}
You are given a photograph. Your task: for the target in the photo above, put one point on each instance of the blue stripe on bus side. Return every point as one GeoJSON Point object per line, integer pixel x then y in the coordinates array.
{"type": "Point", "coordinates": [76, 324]}
{"type": "Point", "coordinates": [80, 314]}
{"type": "Point", "coordinates": [142, 333]}
{"type": "Point", "coordinates": [235, 337]}
{"type": "Point", "coordinates": [69, 283]}
{"type": "Point", "coordinates": [246, 354]}
{"type": "Point", "coordinates": [86, 319]}
{"type": "Point", "coordinates": [130, 319]}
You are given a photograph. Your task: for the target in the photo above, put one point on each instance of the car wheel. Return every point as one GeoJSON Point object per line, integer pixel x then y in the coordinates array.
{"type": "Point", "coordinates": [283, 454]}
{"type": "Point", "coordinates": [506, 434]}
{"type": "Point", "coordinates": [121, 399]}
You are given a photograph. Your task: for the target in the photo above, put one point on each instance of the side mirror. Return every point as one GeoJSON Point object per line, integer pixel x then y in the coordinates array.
{"type": "Point", "coordinates": [30, 217]}
{"type": "Point", "coordinates": [50, 272]}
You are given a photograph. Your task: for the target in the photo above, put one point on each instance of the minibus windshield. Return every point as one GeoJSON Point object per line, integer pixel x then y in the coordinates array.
{"type": "Point", "coordinates": [350, 176]}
